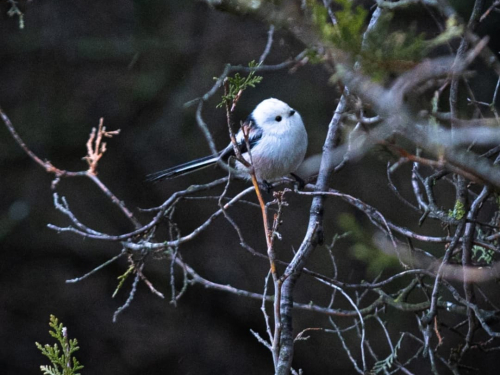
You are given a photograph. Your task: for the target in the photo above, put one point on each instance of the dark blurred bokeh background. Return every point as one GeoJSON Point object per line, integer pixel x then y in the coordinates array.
{"type": "Point", "coordinates": [135, 64]}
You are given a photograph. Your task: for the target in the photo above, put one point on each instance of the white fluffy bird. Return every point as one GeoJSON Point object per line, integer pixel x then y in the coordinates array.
{"type": "Point", "coordinates": [277, 139]}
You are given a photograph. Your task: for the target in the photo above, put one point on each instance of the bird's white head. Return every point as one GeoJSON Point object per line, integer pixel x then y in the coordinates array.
{"type": "Point", "coordinates": [275, 116]}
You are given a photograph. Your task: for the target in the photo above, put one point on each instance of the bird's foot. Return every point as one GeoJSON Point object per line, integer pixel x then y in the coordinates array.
{"type": "Point", "coordinates": [266, 186]}
{"type": "Point", "coordinates": [299, 182]}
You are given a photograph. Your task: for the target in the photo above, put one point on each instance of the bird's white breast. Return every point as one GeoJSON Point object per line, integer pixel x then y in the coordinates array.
{"type": "Point", "coordinates": [280, 151]}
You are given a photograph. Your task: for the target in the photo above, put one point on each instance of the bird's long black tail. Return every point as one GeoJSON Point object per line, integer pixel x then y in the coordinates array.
{"type": "Point", "coordinates": [183, 169]}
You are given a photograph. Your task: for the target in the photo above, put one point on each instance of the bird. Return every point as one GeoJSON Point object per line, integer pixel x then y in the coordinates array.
{"type": "Point", "coordinates": [277, 139]}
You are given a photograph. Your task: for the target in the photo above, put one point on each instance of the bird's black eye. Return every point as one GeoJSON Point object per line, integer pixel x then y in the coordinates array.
{"type": "Point", "coordinates": [278, 118]}
{"type": "Point", "coordinates": [292, 112]}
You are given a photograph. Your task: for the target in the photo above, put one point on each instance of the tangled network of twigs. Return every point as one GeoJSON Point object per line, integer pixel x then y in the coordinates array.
{"type": "Point", "coordinates": [432, 149]}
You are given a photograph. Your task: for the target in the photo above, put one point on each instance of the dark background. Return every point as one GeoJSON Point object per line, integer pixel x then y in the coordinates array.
{"type": "Point", "coordinates": [136, 64]}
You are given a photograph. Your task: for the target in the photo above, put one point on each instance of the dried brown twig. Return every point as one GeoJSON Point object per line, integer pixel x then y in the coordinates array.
{"type": "Point", "coordinates": [95, 150]}
{"type": "Point", "coordinates": [96, 147]}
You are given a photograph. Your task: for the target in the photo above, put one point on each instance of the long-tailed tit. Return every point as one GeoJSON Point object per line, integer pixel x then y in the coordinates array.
{"type": "Point", "coordinates": [277, 139]}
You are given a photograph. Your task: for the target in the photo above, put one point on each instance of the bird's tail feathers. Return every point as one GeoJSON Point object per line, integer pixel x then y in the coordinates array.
{"type": "Point", "coordinates": [183, 169]}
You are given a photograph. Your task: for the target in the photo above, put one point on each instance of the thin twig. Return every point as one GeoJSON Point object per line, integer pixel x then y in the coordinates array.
{"type": "Point", "coordinates": [129, 299]}
{"type": "Point", "coordinates": [98, 268]}
{"type": "Point", "coordinates": [269, 44]}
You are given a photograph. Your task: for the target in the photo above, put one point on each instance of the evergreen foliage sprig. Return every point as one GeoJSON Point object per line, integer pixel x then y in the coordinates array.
{"type": "Point", "coordinates": [347, 33]}
{"type": "Point", "coordinates": [384, 50]}
{"type": "Point", "coordinates": [237, 84]}
{"type": "Point", "coordinates": [121, 280]}
{"type": "Point", "coordinates": [386, 364]}
{"type": "Point", "coordinates": [63, 362]}
{"type": "Point", "coordinates": [363, 248]}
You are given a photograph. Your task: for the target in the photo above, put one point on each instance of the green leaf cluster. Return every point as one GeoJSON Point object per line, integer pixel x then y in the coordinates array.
{"type": "Point", "coordinates": [363, 249]}
{"type": "Point", "coordinates": [63, 362]}
{"type": "Point", "coordinates": [239, 83]}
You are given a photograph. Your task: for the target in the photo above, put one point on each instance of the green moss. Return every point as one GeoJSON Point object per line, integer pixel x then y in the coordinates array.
{"type": "Point", "coordinates": [481, 254]}
{"type": "Point", "coordinates": [458, 211]}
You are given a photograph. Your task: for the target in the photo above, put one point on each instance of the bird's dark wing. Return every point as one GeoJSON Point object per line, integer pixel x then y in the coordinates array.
{"type": "Point", "coordinates": [254, 136]}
